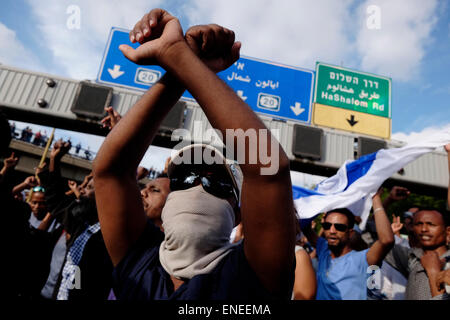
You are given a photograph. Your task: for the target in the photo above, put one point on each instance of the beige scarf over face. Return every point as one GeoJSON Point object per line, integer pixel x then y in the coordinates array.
{"type": "Point", "coordinates": [197, 227]}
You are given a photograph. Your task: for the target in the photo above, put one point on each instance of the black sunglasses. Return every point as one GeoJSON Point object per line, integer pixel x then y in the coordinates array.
{"type": "Point", "coordinates": [212, 183]}
{"type": "Point", "coordinates": [338, 226]}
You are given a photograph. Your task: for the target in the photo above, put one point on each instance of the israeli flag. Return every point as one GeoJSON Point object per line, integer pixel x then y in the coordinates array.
{"type": "Point", "coordinates": [357, 181]}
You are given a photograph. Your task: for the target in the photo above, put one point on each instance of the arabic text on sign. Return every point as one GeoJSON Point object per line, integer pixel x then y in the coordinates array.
{"type": "Point", "coordinates": [265, 84]}
{"type": "Point", "coordinates": [235, 76]}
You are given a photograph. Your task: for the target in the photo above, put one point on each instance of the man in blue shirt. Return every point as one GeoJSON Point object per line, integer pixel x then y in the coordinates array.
{"type": "Point", "coordinates": [342, 272]}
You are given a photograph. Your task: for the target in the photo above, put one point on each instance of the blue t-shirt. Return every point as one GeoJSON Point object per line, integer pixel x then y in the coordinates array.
{"type": "Point", "coordinates": [342, 278]}
{"type": "Point", "coordinates": [140, 276]}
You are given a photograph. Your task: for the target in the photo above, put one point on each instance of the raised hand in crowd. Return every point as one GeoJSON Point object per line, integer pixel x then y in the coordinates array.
{"type": "Point", "coordinates": [141, 173]}
{"type": "Point", "coordinates": [28, 183]}
{"type": "Point", "coordinates": [396, 225]}
{"type": "Point", "coordinates": [157, 31]}
{"type": "Point", "coordinates": [74, 188]}
{"type": "Point", "coordinates": [385, 240]}
{"type": "Point", "coordinates": [60, 148]}
{"type": "Point", "coordinates": [37, 171]}
{"type": "Point", "coordinates": [9, 164]}
{"type": "Point", "coordinates": [111, 119]}
{"type": "Point", "coordinates": [396, 194]}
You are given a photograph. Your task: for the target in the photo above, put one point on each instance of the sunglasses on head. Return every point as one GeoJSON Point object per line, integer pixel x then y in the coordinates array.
{"type": "Point", "coordinates": [38, 189]}
{"type": "Point", "coordinates": [212, 183]}
{"type": "Point", "coordinates": [338, 226]}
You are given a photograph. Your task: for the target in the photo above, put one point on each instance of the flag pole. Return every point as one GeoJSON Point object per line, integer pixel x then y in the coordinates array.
{"type": "Point", "coordinates": [44, 156]}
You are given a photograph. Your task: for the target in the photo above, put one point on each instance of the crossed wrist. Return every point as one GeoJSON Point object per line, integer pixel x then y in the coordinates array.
{"type": "Point", "coordinates": [172, 53]}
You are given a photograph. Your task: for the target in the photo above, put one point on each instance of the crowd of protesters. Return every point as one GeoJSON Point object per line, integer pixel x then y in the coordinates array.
{"type": "Point", "coordinates": [201, 231]}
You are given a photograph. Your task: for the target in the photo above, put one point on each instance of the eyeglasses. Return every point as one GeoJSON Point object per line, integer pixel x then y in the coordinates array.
{"type": "Point", "coordinates": [338, 226]}
{"type": "Point", "coordinates": [38, 189]}
{"type": "Point", "coordinates": [212, 183]}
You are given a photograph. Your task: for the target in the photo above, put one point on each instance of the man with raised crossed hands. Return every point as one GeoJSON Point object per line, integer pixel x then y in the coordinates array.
{"type": "Point", "coordinates": [197, 214]}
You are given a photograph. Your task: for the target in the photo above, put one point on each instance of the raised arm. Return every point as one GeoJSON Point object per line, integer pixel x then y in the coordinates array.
{"type": "Point", "coordinates": [122, 217]}
{"type": "Point", "coordinates": [266, 205]}
{"type": "Point", "coordinates": [29, 182]}
{"type": "Point", "coordinates": [310, 234]}
{"type": "Point", "coordinates": [8, 166]}
{"type": "Point", "coordinates": [385, 242]}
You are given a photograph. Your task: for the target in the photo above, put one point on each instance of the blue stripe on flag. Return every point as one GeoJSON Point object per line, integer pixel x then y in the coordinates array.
{"type": "Point", "coordinates": [358, 168]}
{"type": "Point", "coordinates": [298, 192]}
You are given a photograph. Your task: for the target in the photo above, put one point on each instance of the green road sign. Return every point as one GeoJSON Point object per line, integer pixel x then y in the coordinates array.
{"type": "Point", "coordinates": [353, 90]}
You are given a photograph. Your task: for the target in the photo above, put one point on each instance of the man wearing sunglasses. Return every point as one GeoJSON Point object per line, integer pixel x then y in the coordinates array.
{"type": "Point", "coordinates": [193, 258]}
{"type": "Point", "coordinates": [342, 272]}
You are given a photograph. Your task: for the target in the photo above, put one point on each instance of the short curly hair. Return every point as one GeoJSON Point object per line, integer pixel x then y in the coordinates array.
{"type": "Point", "coordinates": [346, 212]}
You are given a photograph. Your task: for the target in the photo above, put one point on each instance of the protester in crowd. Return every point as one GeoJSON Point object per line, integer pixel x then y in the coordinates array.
{"type": "Point", "coordinates": [305, 284]}
{"type": "Point", "coordinates": [391, 284]}
{"type": "Point", "coordinates": [44, 138]}
{"type": "Point", "coordinates": [408, 218]}
{"type": "Point", "coordinates": [45, 232]}
{"type": "Point", "coordinates": [24, 134]}
{"type": "Point", "coordinates": [15, 216]}
{"type": "Point", "coordinates": [33, 234]}
{"type": "Point", "coordinates": [87, 154]}
{"type": "Point", "coordinates": [74, 189]}
{"type": "Point", "coordinates": [29, 182]}
{"type": "Point", "coordinates": [421, 265]}
{"type": "Point", "coordinates": [37, 138]}
{"type": "Point", "coordinates": [342, 272]}
{"type": "Point", "coordinates": [261, 267]}
{"type": "Point", "coordinates": [141, 173]}
{"type": "Point", "coordinates": [13, 130]}
{"type": "Point", "coordinates": [112, 118]}
{"type": "Point", "coordinates": [86, 262]}
{"type": "Point", "coordinates": [154, 197]}
{"type": "Point", "coordinates": [77, 148]}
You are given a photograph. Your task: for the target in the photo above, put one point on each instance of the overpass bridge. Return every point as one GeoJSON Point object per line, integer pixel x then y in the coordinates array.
{"type": "Point", "coordinates": [78, 106]}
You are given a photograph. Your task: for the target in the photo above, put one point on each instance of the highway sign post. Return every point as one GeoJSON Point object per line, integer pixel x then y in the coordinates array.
{"type": "Point", "coordinates": [358, 101]}
{"type": "Point", "coordinates": [275, 90]}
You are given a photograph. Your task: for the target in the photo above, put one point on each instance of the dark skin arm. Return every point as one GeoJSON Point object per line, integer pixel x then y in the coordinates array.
{"type": "Point", "coordinates": [29, 182]}
{"type": "Point", "coordinates": [432, 265]}
{"type": "Point", "coordinates": [267, 221]}
{"type": "Point", "coordinates": [396, 194]}
{"type": "Point", "coordinates": [305, 285]}
{"type": "Point", "coordinates": [386, 240]}
{"type": "Point", "coordinates": [60, 148]}
{"type": "Point", "coordinates": [310, 235]}
{"type": "Point", "coordinates": [123, 217]}
{"type": "Point", "coordinates": [46, 222]}
{"type": "Point", "coordinates": [9, 164]}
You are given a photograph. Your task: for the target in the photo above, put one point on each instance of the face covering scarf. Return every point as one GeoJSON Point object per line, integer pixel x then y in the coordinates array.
{"type": "Point", "coordinates": [197, 228]}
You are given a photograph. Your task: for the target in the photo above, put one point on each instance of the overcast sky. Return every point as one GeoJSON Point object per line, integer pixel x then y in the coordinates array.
{"type": "Point", "coordinates": [411, 46]}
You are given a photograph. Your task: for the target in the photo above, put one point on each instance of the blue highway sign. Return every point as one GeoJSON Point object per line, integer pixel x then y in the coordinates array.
{"type": "Point", "coordinates": [272, 89]}
{"type": "Point", "coordinates": [117, 70]}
